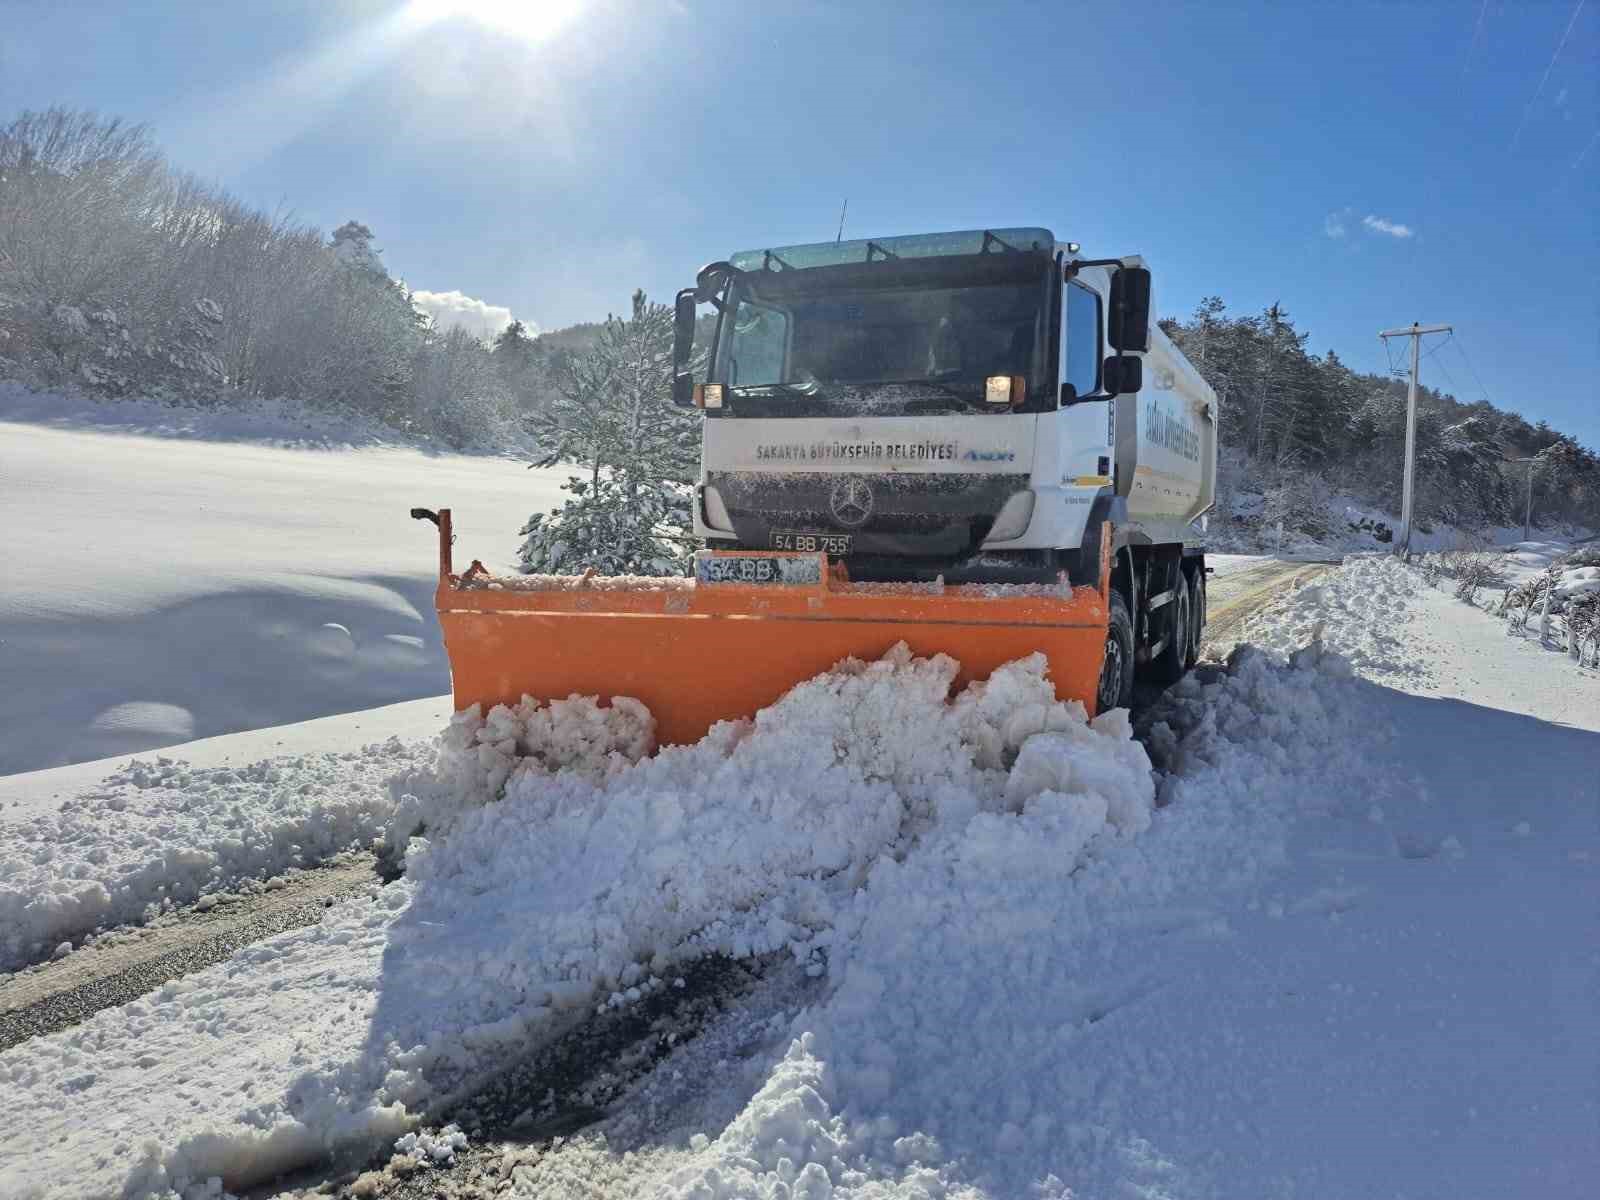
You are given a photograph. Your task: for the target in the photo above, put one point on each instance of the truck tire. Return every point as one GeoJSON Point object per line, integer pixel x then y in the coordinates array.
{"type": "Point", "coordinates": [1197, 619]}
{"type": "Point", "coordinates": [1116, 671]}
{"type": "Point", "coordinates": [1169, 666]}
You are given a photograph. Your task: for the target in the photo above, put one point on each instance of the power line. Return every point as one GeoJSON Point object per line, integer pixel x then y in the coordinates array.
{"type": "Point", "coordinates": [1545, 78]}
{"type": "Point", "coordinates": [1587, 146]}
{"type": "Point", "coordinates": [1449, 337]}
{"type": "Point", "coordinates": [1394, 370]}
{"type": "Point", "coordinates": [1448, 377]}
{"type": "Point", "coordinates": [1462, 350]}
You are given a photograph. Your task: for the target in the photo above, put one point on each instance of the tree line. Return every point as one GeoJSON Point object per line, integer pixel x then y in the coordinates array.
{"type": "Point", "coordinates": [1301, 427]}
{"type": "Point", "coordinates": [123, 276]}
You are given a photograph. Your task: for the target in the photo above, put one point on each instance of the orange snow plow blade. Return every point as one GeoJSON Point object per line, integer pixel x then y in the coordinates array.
{"type": "Point", "coordinates": [719, 647]}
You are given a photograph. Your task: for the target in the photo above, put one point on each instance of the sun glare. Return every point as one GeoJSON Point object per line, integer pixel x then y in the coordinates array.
{"type": "Point", "coordinates": [529, 20]}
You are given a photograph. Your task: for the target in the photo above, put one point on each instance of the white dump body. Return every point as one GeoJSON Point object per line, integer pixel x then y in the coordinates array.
{"type": "Point", "coordinates": [1166, 445]}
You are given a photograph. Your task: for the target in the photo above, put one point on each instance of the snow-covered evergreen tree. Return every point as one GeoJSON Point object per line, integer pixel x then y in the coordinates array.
{"type": "Point", "coordinates": [614, 417]}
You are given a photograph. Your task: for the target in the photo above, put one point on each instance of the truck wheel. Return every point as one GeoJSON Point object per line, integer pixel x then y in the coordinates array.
{"type": "Point", "coordinates": [1170, 664]}
{"type": "Point", "coordinates": [1197, 621]}
{"type": "Point", "coordinates": [1116, 672]}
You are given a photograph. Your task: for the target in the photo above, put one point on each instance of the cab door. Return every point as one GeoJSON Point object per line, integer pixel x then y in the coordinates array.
{"type": "Point", "coordinates": [1084, 433]}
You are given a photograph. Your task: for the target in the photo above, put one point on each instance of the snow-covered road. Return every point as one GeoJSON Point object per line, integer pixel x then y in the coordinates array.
{"type": "Point", "coordinates": [1352, 953]}
{"type": "Point", "coordinates": [1236, 594]}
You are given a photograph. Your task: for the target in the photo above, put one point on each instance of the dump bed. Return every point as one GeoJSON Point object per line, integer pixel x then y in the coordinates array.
{"type": "Point", "coordinates": [1166, 443]}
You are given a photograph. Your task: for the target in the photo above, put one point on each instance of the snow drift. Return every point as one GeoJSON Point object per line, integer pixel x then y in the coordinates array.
{"type": "Point", "coordinates": [158, 833]}
{"type": "Point", "coordinates": [558, 874]}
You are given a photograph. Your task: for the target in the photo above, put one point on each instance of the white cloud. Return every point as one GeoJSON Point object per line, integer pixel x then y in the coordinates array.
{"type": "Point", "coordinates": [1383, 225]}
{"type": "Point", "coordinates": [1333, 224]}
{"type": "Point", "coordinates": [458, 310]}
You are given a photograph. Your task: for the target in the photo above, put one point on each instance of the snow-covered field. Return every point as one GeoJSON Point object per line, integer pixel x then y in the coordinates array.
{"type": "Point", "coordinates": [1340, 942]}
{"type": "Point", "coordinates": [172, 575]}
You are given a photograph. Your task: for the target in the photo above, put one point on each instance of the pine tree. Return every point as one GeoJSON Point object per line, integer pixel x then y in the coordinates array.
{"type": "Point", "coordinates": [613, 415]}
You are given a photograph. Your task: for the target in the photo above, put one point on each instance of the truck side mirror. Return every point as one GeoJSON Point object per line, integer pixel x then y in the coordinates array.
{"type": "Point", "coordinates": [1128, 322]}
{"type": "Point", "coordinates": [1123, 376]}
{"type": "Point", "coordinates": [682, 348]}
{"type": "Point", "coordinates": [683, 329]}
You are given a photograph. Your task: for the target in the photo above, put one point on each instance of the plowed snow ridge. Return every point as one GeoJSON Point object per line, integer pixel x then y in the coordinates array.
{"type": "Point", "coordinates": [580, 886]}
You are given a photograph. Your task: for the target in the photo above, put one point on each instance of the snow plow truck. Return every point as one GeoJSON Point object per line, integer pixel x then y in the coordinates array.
{"type": "Point", "coordinates": [977, 443]}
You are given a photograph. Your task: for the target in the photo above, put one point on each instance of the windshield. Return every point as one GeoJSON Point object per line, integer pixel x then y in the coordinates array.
{"type": "Point", "coordinates": [793, 345]}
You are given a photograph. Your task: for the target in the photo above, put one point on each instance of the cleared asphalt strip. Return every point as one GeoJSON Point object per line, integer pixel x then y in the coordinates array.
{"type": "Point", "coordinates": [57, 995]}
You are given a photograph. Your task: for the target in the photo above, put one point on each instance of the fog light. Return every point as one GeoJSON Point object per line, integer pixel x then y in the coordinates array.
{"type": "Point", "coordinates": [1004, 390]}
{"type": "Point", "coordinates": [715, 511]}
{"type": "Point", "coordinates": [708, 395]}
{"type": "Point", "coordinates": [1014, 517]}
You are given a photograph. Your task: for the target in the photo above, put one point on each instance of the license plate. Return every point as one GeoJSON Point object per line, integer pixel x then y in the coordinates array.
{"type": "Point", "coordinates": [757, 568]}
{"type": "Point", "coordinates": [810, 543]}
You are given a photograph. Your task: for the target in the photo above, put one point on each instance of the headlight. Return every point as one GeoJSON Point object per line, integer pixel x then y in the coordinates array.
{"type": "Point", "coordinates": [1014, 517]}
{"type": "Point", "coordinates": [1008, 390]}
{"type": "Point", "coordinates": [715, 511]}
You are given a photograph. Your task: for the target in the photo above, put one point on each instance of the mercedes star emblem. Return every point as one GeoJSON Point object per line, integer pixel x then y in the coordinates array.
{"type": "Point", "coordinates": [851, 501]}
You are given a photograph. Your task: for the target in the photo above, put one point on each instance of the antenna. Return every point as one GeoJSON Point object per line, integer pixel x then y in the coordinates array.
{"type": "Point", "coordinates": [842, 208]}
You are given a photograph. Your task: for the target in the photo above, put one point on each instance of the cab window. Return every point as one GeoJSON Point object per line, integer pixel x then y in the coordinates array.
{"type": "Point", "coordinates": [1080, 340]}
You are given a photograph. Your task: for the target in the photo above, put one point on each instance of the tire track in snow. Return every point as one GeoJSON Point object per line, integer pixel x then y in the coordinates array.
{"type": "Point", "coordinates": [60, 994]}
{"type": "Point", "coordinates": [578, 1082]}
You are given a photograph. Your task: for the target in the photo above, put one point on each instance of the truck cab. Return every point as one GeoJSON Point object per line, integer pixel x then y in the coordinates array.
{"type": "Point", "coordinates": [934, 406]}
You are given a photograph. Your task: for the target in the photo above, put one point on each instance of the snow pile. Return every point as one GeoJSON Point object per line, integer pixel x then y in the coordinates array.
{"type": "Point", "coordinates": [479, 754]}
{"type": "Point", "coordinates": [437, 1148]}
{"type": "Point", "coordinates": [1578, 581]}
{"type": "Point", "coordinates": [1358, 611]}
{"type": "Point", "coordinates": [586, 582]}
{"type": "Point", "coordinates": [160, 833]}
{"type": "Point", "coordinates": [590, 882]}
{"type": "Point", "coordinates": [1523, 560]}
{"type": "Point", "coordinates": [581, 885]}
{"type": "Point", "coordinates": [958, 1054]}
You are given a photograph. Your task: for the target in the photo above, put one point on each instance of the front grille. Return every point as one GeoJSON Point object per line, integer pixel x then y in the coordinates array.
{"type": "Point", "coordinates": [913, 515]}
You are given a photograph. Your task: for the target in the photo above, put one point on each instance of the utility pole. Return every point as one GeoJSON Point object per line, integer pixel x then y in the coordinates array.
{"type": "Point", "coordinates": [1415, 333]}
{"type": "Point", "coordinates": [1527, 511]}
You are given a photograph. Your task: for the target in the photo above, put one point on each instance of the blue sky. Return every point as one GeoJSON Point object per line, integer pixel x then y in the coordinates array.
{"type": "Point", "coordinates": [1365, 166]}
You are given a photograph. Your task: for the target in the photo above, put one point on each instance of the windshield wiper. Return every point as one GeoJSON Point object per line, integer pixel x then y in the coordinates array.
{"type": "Point", "coordinates": [754, 390]}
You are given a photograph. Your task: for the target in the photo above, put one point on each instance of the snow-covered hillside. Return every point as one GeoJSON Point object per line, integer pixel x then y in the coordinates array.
{"type": "Point", "coordinates": [172, 575]}
{"type": "Point", "coordinates": [1320, 520]}
{"type": "Point", "coordinates": [1341, 943]}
